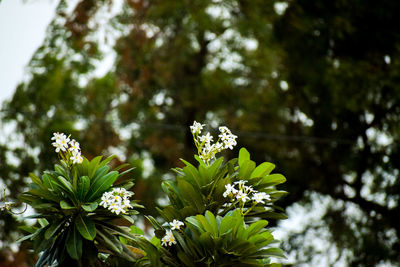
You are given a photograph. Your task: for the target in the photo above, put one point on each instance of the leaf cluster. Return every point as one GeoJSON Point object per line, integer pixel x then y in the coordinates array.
{"type": "Point", "coordinates": [217, 232]}
{"type": "Point", "coordinates": [66, 201]}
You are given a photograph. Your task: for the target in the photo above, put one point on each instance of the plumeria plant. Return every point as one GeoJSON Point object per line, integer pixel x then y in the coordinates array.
{"type": "Point", "coordinates": [76, 205]}
{"type": "Point", "coordinates": [218, 211]}
{"type": "Point", "coordinates": [217, 214]}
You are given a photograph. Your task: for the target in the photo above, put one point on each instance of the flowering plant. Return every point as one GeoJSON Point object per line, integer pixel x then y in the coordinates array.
{"type": "Point", "coordinates": [76, 204]}
{"type": "Point", "coordinates": [217, 215]}
{"type": "Point", "coordinates": [218, 211]}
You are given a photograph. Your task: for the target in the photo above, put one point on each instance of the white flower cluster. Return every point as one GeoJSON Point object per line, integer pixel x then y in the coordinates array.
{"type": "Point", "coordinates": [71, 148]}
{"type": "Point", "coordinates": [242, 193]}
{"type": "Point", "coordinates": [206, 149]}
{"type": "Point", "coordinates": [228, 139]}
{"type": "Point", "coordinates": [117, 201]}
{"type": "Point", "coordinates": [169, 238]}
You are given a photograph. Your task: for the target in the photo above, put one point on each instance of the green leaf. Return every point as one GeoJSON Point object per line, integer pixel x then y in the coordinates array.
{"type": "Point", "coordinates": [85, 227]}
{"type": "Point", "coordinates": [246, 169]}
{"type": "Point", "coordinates": [213, 222]}
{"type": "Point", "coordinates": [107, 160]}
{"type": "Point", "coordinates": [191, 195]}
{"type": "Point", "coordinates": [244, 155]}
{"type": "Point", "coordinates": [83, 187]}
{"type": "Point", "coordinates": [156, 242]}
{"type": "Point", "coordinates": [194, 225]}
{"type": "Point", "coordinates": [204, 223]}
{"type": "Point", "coordinates": [90, 207]}
{"type": "Point", "coordinates": [129, 218]}
{"type": "Point", "coordinates": [99, 173]}
{"type": "Point", "coordinates": [111, 241]}
{"type": "Point", "coordinates": [43, 222]}
{"type": "Point", "coordinates": [159, 231]}
{"type": "Point", "coordinates": [256, 227]}
{"type": "Point", "coordinates": [181, 242]}
{"type": "Point", "coordinates": [276, 252]}
{"type": "Point", "coordinates": [192, 175]}
{"type": "Point", "coordinates": [226, 225]}
{"type": "Point", "coordinates": [262, 170]}
{"type": "Point", "coordinates": [29, 229]}
{"type": "Point", "coordinates": [201, 162]}
{"type": "Point", "coordinates": [136, 230]}
{"type": "Point", "coordinates": [35, 179]}
{"type": "Point", "coordinates": [60, 170]}
{"type": "Point", "coordinates": [126, 171]}
{"type": "Point", "coordinates": [66, 184]}
{"type": "Point", "coordinates": [65, 205]}
{"type": "Point", "coordinates": [93, 166]}
{"type": "Point", "coordinates": [53, 228]}
{"type": "Point", "coordinates": [101, 185]}
{"type": "Point", "coordinates": [261, 240]}
{"type": "Point", "coordinates": [273, 179]}
{"type": "Point", "coordinates": [74, 244]}
{"type": "Point", "coordinates": [47, 181]}
{"type": "Point", "coordinates": [185, 259]}
{"type": "Point", "coordinates": [44, 194]}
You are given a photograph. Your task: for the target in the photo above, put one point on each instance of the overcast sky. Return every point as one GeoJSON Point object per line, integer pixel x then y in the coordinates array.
{"type": "Point", "coordinates": [22, 30]}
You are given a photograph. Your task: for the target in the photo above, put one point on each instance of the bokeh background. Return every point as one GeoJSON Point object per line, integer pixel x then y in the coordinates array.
{"type": "Point", "coordinates": [312, 86]}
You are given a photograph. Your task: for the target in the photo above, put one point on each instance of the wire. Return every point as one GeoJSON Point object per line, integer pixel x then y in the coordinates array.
{"type": "Point", "coordinates": [258, 135]}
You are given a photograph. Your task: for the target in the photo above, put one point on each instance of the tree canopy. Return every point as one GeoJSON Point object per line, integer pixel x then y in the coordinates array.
{"type": "Point", "coordinates": [310, 85]}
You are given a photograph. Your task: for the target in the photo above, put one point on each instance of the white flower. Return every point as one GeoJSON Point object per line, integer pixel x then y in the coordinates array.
{"type": "Point", "coordinates": [64, 142]}
{"type": "Point", "coordinates": [232, 136]}
{"type": "Point", "coordinates": [248, 189]}
{"type": "Point", "coordinates": [206, 138]}
{"type": "Point", "coordinates": [260, 197]}
{"type": "Point", "coordinates": [208, 150]}
{"type": "Point", "coordinates": [168, 239]}
{"type": "Point", "coordinates": [117, 200]}
{"type": "Point", "coordinates": [240, 183]}
{"type": "Point", "coordinates": [61, 141]}
{"type": "Point", "coordinates": [223, 136]}
{"type": "Point", "coordinates": [127, 204]}
{"type": "Point", "coordinates": [228, 144]}
{"type": "Point", "coordinates": [219, 147]}
{"type": "Point", "coordinates": [58, 146]}
{"type": "Point", "coordinates": [224, 129]}
{"type": "Point", "coordinates": [242, 196]}
{"type": "Point", "coordinates": [196, 127]}
{"type": "Point", "coordinates": [57, 136]}
{"type": "Point", "coordinates": [116, 209]}
{"type": "Point", "coordinates": [176, 224]}
{"type": "Point", "coordinates": [229, 190]}
{"type": "Point", "coordinates": [74, 147]}
{"type": "Point", "coordinates": [77, 158]}
{"type": "Point", "coordinates": [104, 201]}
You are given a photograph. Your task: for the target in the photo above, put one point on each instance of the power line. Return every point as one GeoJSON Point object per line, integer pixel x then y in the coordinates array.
{"type": "Point", "coordinates": [257, 135]}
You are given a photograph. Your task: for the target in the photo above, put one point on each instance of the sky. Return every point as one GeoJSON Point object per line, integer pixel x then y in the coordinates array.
{"type": "Point", "coordinates": [23, 26]}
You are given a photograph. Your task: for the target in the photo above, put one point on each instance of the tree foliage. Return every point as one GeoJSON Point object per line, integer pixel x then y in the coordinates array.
{"type": "Point", "coordinates": [313, 87]}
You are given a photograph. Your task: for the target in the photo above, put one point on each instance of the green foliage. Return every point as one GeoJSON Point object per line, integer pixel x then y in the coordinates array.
{"type": "Point", "coordinates": [220, 231]}
{"type": "Point", "coordinates": [224, 241]}
{"type": "Point", "coordinates": [72, 224]}
{"type": "Point", "coordinates": [312, 85]}
{"type": "Point", "coordinates": [199, 189]}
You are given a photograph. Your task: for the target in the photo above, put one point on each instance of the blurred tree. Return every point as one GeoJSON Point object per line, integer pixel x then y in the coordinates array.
{"type": "Point", "coordinates": [310, 86]}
